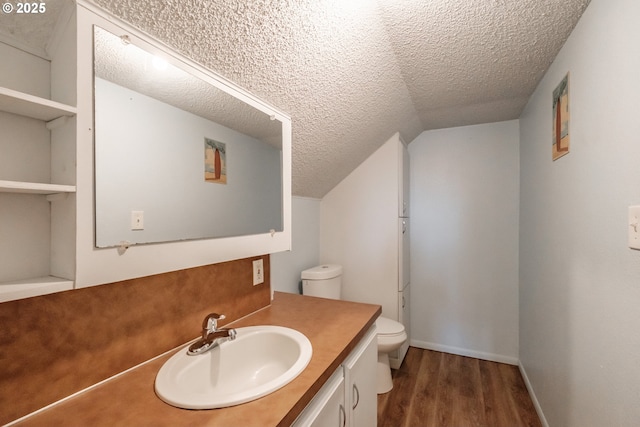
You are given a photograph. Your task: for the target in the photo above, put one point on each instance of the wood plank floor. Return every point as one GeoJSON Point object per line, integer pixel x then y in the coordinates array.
{"type": "Point", "coordinates": [433, 389]}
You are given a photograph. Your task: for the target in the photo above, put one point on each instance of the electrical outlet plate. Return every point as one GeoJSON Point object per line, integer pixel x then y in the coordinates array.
{"type": "Point", "coordinates": [258, 272]}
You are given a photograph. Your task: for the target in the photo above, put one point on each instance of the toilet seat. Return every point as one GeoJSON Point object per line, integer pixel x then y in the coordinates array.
{"type": "Point", "coordinates": [387, 328]}
{"type": "Point", "coordinates": [390, 334]}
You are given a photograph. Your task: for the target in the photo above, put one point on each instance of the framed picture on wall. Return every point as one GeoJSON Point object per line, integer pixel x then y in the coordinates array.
{"type": "Point", "coordinates": [215, 161]}
{"type": "Point", "coordinates": [560, 145]}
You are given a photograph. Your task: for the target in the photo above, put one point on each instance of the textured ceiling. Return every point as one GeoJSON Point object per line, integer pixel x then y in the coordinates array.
{"type": "Point", "coordinates": [475, 61]}
{"type": "Point", "coordinates": [32, 31]}
{"type": "Point", "coordinates": [352, 72]}
{"type": "Point", "coordinates": [129, 66]}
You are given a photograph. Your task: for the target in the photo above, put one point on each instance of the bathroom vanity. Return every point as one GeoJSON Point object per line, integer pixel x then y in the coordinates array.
{"type": "Point", "coordinates": [335, 329]}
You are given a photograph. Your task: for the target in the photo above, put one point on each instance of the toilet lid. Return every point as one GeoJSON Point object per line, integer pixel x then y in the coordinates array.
{"type": "Point", "coordinates": [385, 326]}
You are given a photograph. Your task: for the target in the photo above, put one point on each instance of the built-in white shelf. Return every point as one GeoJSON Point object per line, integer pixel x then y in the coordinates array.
{"type": "Point", "coordinates": [10, 291]}
{"type": "Point", "coordinates": [39, 235]}
{"type": "Point", "coordinates": [34, 188]}
{"type": "Point", "coordinates": [32, 106]}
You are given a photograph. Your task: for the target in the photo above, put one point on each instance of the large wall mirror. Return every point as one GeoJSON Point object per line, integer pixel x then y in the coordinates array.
{"type": "Point", "coordinates": [177, 158]}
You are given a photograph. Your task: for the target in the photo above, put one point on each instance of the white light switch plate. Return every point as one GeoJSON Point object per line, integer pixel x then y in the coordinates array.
{"type": "Point", "coordinates": [137, 220]}
{"type": "Point", "coordinates": [634, 227]}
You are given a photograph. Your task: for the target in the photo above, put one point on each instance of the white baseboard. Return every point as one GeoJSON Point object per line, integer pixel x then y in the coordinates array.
{"type": "Point", "coordinates": [466, 352]}
{"type": "Point", "coordinates": [534, 399]}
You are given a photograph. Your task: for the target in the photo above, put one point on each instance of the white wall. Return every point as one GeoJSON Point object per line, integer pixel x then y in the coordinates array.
{"type": "Point", "coordinates": [464, 240]}
{"type": "Point", "coordinates": [579, 282]}
{"type": "Point", "coordinates": [24, 72]}
{"type": "Point", "coordinates": [287, 266]}
{"type": "Point", "coordinates": [359, 228]}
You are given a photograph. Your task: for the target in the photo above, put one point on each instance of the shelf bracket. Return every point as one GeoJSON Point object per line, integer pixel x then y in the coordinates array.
{"type": "Point", "coordinates": [56, 197]}
{"type": "Point", "coordinates": [56, 123]}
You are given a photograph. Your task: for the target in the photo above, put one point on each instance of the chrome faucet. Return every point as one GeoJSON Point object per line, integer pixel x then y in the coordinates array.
{"type": "Point", "coordinates": [211, 335]}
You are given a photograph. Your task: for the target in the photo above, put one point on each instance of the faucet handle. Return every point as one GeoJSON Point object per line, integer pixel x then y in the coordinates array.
{"type": "Point", "coordinates": [210, 323]}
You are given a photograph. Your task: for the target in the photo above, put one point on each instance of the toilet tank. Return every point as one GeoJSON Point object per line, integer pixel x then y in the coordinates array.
{"type": "Point", "coordinates": [323, 281]}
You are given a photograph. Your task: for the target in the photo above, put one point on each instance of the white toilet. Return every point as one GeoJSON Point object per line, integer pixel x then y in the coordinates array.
{"type": "Point", "coordinates": [325, 281]}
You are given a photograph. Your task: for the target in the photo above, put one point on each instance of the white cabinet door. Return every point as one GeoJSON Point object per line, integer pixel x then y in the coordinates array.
{"type": "Point", "coordinates": [403, 253]}
{"type": "Point", "coordinates": [404, 309]}
{"type": "Point", "coordinates": [360, 382]}
{"type": "Point", "coordinates": [403, 178]}
{"type": "Point", "coordinates": [349, 397]}
{"type": "Point", "coordinates": [327, 409]}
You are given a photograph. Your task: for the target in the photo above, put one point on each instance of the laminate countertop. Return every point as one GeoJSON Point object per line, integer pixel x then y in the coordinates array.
{"type": "Point", "coordinates": [333, 327]}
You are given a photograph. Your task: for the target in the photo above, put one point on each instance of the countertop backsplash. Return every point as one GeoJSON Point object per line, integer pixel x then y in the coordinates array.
{"type": "Point", "coordinates": [55, 345]}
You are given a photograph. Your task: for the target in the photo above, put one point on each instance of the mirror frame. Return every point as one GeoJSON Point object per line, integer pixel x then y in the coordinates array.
{"type": "Point", "coordinates": [95, 266]}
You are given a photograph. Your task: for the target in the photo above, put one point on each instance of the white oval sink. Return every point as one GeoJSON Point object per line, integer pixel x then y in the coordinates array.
{"type": "Point", "coordinates": [259, 361]}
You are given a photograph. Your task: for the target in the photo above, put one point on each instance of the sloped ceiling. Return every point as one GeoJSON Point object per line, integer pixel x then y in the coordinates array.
{"type": "Point", "coordinates": [353, 72]}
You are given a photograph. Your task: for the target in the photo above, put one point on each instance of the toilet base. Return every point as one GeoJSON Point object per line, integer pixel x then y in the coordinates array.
{"type": "Point", "coordinates": [384, 381]}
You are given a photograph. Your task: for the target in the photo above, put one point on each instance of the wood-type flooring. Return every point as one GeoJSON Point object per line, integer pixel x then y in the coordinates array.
{"type": "Point", "coordinates": [433, 389]}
